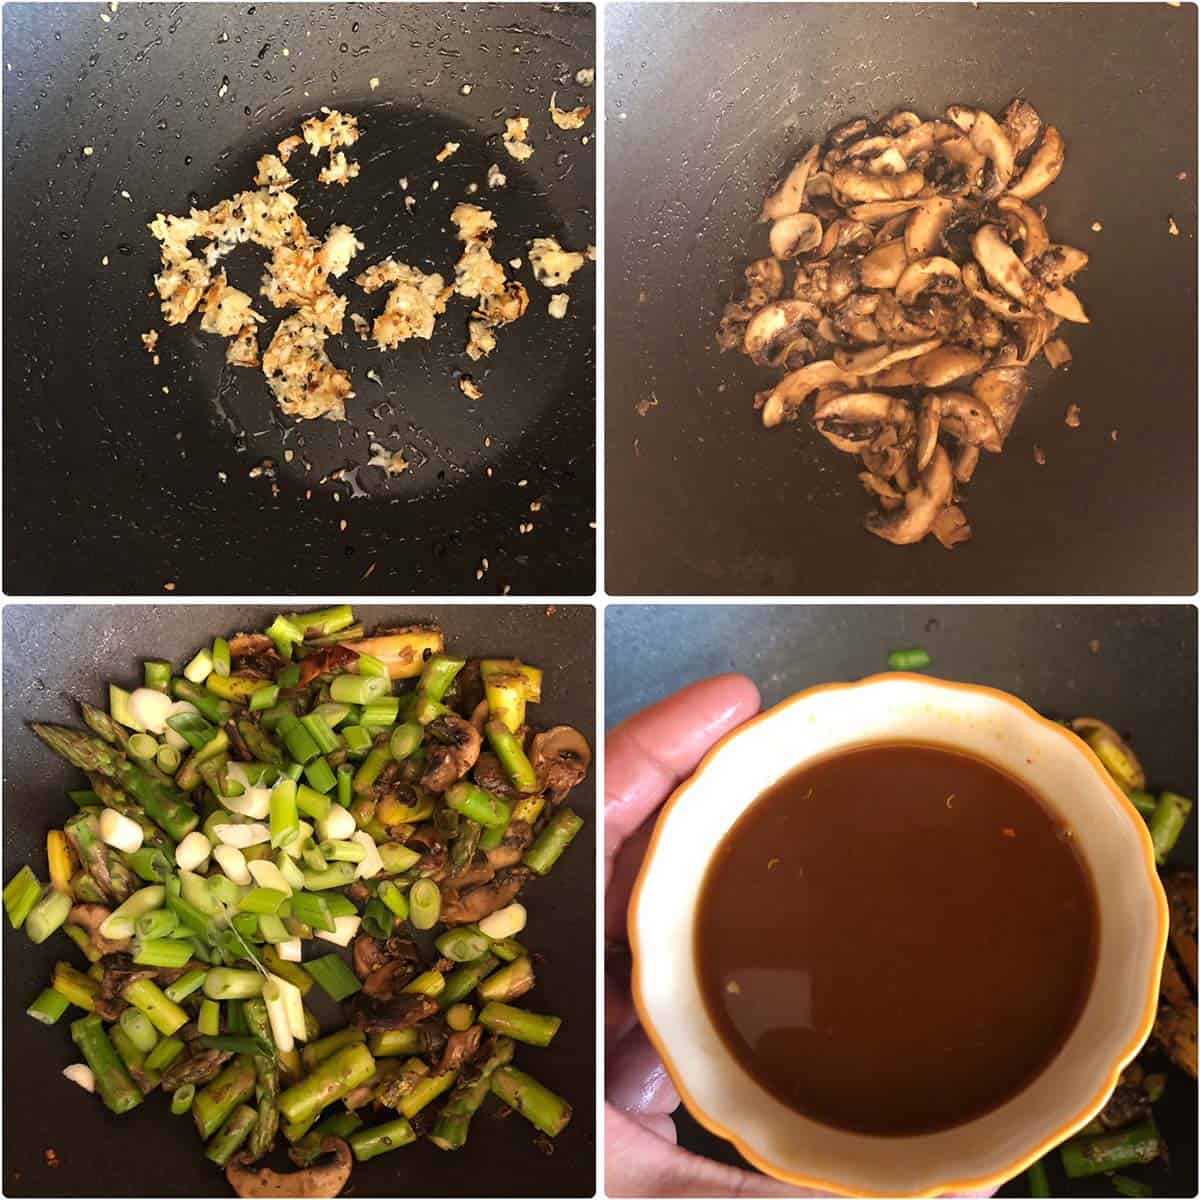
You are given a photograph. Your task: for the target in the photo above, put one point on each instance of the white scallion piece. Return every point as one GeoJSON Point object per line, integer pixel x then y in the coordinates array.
{"type": "Point", "coordinates": [505, 923]}
{"type": "Point", "coordinates": [338, 826]}
{"type": "Point", "coordinates": [291, 950]}
{"type": "Point", "coordinates": [267, 875]}
{"type": "Point", "coordinates": [233, 862]}
{"type": "Point", "coordinates": [372, 864]}
{"type": "Point", "coordinates": [242, 836]}
{"type": "Point", "coordinates": [344, 931]}
{"type": "Point", "coordinates": [119, 832]}
{"type": "Point", "coordinates": [192, 853]}
{"type": "Point", "coordinates": [81, 1074]}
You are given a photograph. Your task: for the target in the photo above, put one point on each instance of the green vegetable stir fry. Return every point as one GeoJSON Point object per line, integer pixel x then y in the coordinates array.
{"type": "Point", "coordinates": [286, 795]}
{"type": "Point", "coordinates": [1124, 1134]}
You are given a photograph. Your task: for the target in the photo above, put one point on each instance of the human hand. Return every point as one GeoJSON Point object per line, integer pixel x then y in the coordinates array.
{"type": "Point", "coordinates": [646, 757]}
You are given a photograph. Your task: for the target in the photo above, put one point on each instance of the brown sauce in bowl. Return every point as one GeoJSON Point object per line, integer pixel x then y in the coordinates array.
{"type": "Point", "coordinates": [896, 939]}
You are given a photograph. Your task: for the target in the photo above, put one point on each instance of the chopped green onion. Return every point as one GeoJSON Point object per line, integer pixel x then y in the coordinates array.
{"type": "Point", "coordinates": [914, 659]}
{"type": "Point", "coordinates": [289, 677]}
{"type": "Point", "coordinates": [299, 742]}
{"type": "Point", "coordinates": [142, 746]}
{"type": "Point", "coordinates": [162, 952]}
{"type": "Point", "coordinates": [156, 674]}
{"type": "Point", "coordinates": [263, 900]}
{"type": "Point", "coordinates": [160, 923]}
{"type": "Point", "coordinates": [139, 1029]}
{"type": "Point", "coordinates": [394, 898]}
{"type": "Point", "coordinates": [285, 820]}
{"type": "Point", "coordinates": [333, 977]}
{"type": "Point", "coordinates": [119, 708]}
{"type": "Point", "coordinates": [369, 665]}
{"type": "Point", "coordinates": [359, 689]}
{"type": "Point", "coordinates": [167, 759]}
{"type": "Point", "coordinates": [343, 852]}
{"type": "Point", "coordinates": [220, 656]}
{"type": "Point", "coordinates": [182, 1098]}
{"type": "Point", "coordinates": [1170, 816]}
{"type": "Point", "coordinates": [185, 985]}
{"type": "Point", "coordinates": [164, 1053]}
{"type": "Point", "coordinates": [193, 728]}
{"type": "Point", "coordinates": [425, 904]}
{"type": "Point", "coordinates": [397, 858]}
{"type": "Point", "coordinates": [312, 910]}
{"type": "Point", "coordinates": [1134, 1188]}
{"type": "Point", "coordinates": [284, 629]}
{"type": "Point", "coordinates": [381, 713]}
{"type": "Point", "coordinates": [327, 741]}
{"type": "Point", "coordinates": [272, 929]}
{"type": "Point", "coordinates": [405, 739]}
{"type": "Point", "coordinates": [378, 919]}
{"type": "Point", "coordinates": [438, 675]}
{"type": "Point", "coordinates": [48, 1007]}
{"type": "Point", "coordinates": [463, 945]}
{"type": "Point", "coordinates": [48, 915]}
{"type": "Point", "coordinates": [264, 697]}
{"type": "Point", "coordinates": [311, 802]}
{"type": "Point", "coordinates": [345, 785]}
{"type": "Point", "coordinates": [20, 895]}
{"type": "Point", "coordinates": [209, 1021]}
{"type": "Point", "coordinates": [200, 668]}
{"type": "Point", "coordinates": [336, 875]}
{"type": "Point", "coordinates": [358, 740]}
{"type": "Point", "coordinates": [320, 775]}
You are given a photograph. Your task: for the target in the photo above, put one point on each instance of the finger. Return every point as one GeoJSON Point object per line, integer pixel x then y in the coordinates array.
{"type": "Point", "coordinates": [647, 756]}
{"type": "Point", "coordinates": [640, 1163]}
{"type": "Point", "coordinates": [635, 1079]}
{"type": "Point", "coordinates": [621, 878]}
{"type": "Point", "coordinates": [659, 1125]}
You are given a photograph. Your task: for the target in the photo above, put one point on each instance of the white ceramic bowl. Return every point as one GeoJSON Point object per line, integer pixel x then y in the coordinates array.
{"type": "Point", "coordinates": [992, 725]}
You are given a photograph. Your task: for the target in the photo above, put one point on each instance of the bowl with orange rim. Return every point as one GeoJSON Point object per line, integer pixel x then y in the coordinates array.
{"type": "Point", "coordinates": [727, 1065]}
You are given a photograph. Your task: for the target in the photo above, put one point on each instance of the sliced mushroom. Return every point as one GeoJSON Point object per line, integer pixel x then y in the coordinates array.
{"type": "Point", "coordinates": [1002, 390]}
{"type": "Point", "coordinates": [962, 116]}
{"type": "Point", "coordinates": [969, 420]}
{"type": "Point", "coordinates": [961, 154]}
{"type": "Point", "coordinates": [923, 234]}
{"type": "Point", "coordinates": [786, 397]}
{"type": "Point", "coordinates": [864, 408]}
{"type": "Point", "coordinates": [560, 756]}
{"type": "Point", "coordinates": [991, 141]}
{"type": "Point", "coordinates": [796, 234]}
{"type": "Point", "coordinates": [928, 423]}
{"type": "Point", "coordinates": [454, 746]}
{"type": "Point", "coordinates": [1043, 168]}
{"type": "Point", "coordinates": [951, 528]}
{"type": "Point", "coordinates": [898, 376]}
{"type": "Point", "coordinates": [323, 1180]}
{"type": "Point", "coordinates": [941, 275]}
{"type": "Point", "coordinates": [1057, 352]}
{"type": "Point", "coordinates": [946, 364]}
{"type": "Point", "coordinates": [787, 197]}
{"type": "Point", "coordinates": [1021, 125]}
{"type": "Point", "coordinates": [1026, 226]}
{"type": "Point", "coordinates": [879, 358]}
{"type": "Point", "coordinates": [1064, 303]}
{"type": "Point", "coordinates": [1002, 306]}
{"type": "Point", "coordinates": [843, 233]}
{"type": "Point", "coordinates": [1002, 266]}
{"type": "Point", "coordinates": [900, 121]}
{"type": "Point", "coordinates": [91, 917]}
{"type": "Point", "coordinates": [882, 210]}
{"type": "Point", "coordinates": [848, 131]}
{"type": "Point", "coordinates": [935, 487]}
{"type": "Point", "coordinates": [888, 162]}
{"type": "Point", "coordinates": [764, 277]}
{"type": "Point", "coordinates": [965, 463]}
{"type": "Point", "coordinates": [1058, 264]}
{"type": "Point", "coordinates": [862, 186]}
{"type": "Point", "coordinates": [889, 497]}
{"type": "Point", "coordinates": [883, 266]}
{"type": "Point", "coordinates": [774, 326]}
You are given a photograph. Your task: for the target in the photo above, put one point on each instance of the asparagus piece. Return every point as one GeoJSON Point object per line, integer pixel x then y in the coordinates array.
{"type": "Point", "coordinates": [535, 1029]}
{"type": "Point", "coordinates": [100, 723]}
{"type": "Point", "coordinates": [463, 980]}
{"type": "Point", "coordinates": [392, 1042]}
{"type": "Point", "coordinates": [1083, 1156]}
{"type": "Point", "coordinates": [229, 1138]}
{"type": "Point", "coordinates": [117, 1089]}
{"type": "Point", "coordinates": [317, 1052]}
{"type": "Point", "coordinates": [211, 707]}
{"type": "Point", "coordinates": [508, 983]}
{"type": "Point", "coordinates": [1170, 816]}
{"type": "Point", "coordinates": [336, 1077]}
{"type": "Point", "coordinates": [114, 797]}
{"type": "Point", "coordinates": [553, 840]}
{"type": "Point", "coordinates": [105, 870]}
{"type": "Point", "coordinates": [1039, 1183]}
{"type": "Point", "coordinates": [508, 749]}
{"type": "Point", "coordinates": [425, 1092]}
{"type": "Point", "coordinates": [379, 1139]}
{"type": "Point", "coordinates": [167, 1016]}
{"type": "Point", "coordinates": [537, 1104]}
{"type": "Point", "coordinates": [266, 1088]}
{"type": "Point", "coordinates": [162, 803]}
{"type": "Point", "coordinates": [233, 1086]}
{"type": "Point", "coordinates": [259, 743]}
{"type": "Point", "coordinates": [75, 986]}
{"type": "Point", "coordinates": [454, 1121]}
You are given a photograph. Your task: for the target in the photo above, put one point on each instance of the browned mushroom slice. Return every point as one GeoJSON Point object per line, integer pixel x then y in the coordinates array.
{"type": "Point", "coordinates": [1021, 124]}
{"type": "Point", "coordinates": [1057, 352]}
{"type": "Point", "coordinates": [961, 154]}
{"type": "Point", "coordinates": [1026, 227]}
{"type": "Point", "coordinates": [928, 423]}
{"type": "Point", "coordinates": [843, 233]}
{"type": "Point", "coordinates": [969, 420]}
{"type": "Point", "coordinates": [1002, 306]}
{"type": "Point", "coordinates": [454, 746]}
{"type": "Point", "coordinates": [923, 234]}
{"type": "Point", "coordinates": [1058, 264]}
{"type": "Point", "coordinates": [889, 497]}
{"type": "Point", "coordinates": [1064, 303]}
{"type": "Point", "coordinates": [796, 234]}
{"type": "Point", "coordinates": [863, 408]}
{"type": "Point", "coordinates": [992, 142]}
{"type": "Point", "coordinates": [909, 524]}
{"type": "Point", "coordinates": [1044, 166]}
{"type": "Point", "coordinates": [776, 325]}
{"type": "Point", "coordinates": [1003, 390]}
{"type": "Point", "coordinates": [889, 162]}
{"type": "Point", "coordinates": [321, 1180]}
{"type": "Point", "coordinates": [560, 756]}
{"type": "Point", "coordinates": [898, 376]}
{"type": "Point", "coordinates": [1033, 334]}
{"type": "Point", "coordinates": [962, 116]}
{"type": "Point", "coordinates": [901, 121]}
{"type": "Point", "coordinates": [867, 147]}
{"type": "Point", "coordinates": [848, 131]}
{"type": "Point", "coordinates": [1001, 264]}
{"type": "Point", "coordinates": [879, 358]}
{"type": "Point", "coordinates": [951, 528]}
{"type": "Point", "coordinates": [862, 186]}
{"type": "Point", "coordinates": [787, 197]}
{"type": "Point", "coordinates": [883, 266]}
{"type": "Point", "coordinates": [965, 463]}
{"type": "Point", "coordinates": [940, 275]}
{"type": "Point", "coordinates": [946, 364]}
{"type": "Point", "coordinates": [764, 277]}
{"type": "Point", "coordinates": [882, 210]}
{"type": "Point", "coordinates": [783, 401]}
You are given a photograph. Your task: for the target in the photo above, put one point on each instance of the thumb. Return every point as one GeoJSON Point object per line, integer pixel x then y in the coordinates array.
{"type": "Point", "coordinates": [641, 1163]}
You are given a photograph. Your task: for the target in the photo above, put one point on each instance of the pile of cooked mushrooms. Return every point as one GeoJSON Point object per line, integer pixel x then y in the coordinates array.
{"type": "Point", "coordinates": [924, 284]}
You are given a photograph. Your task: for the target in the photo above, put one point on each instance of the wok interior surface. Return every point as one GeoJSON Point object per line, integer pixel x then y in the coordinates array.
{"type": "Point", "coordinates": [154, 464]}
{"type": "Point", "coordinates": [1063, 660]}
{"type": "Point", "coordinates": [55, 654]}
{"type": "Point", "coordinates": [707, 105]}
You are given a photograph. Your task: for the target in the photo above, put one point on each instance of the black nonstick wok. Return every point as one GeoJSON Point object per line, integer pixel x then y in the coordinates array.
{"type": "Point", "coordinates": [1132, 666]}
{"type": "Point", "coordinates": [707, 104]}
{"type": "Point", "coordinates": [55, 654]}
{"type": "Point", "coordinates": [123, 477]}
